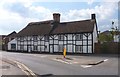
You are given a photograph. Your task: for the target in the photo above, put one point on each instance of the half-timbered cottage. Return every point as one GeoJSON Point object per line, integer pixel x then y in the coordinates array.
{"type": "Point", "coordinates": [53, 35]}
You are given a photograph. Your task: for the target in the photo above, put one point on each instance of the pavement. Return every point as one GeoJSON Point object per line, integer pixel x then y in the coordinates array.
{"type": "Point", "coordinates": [10, 69]}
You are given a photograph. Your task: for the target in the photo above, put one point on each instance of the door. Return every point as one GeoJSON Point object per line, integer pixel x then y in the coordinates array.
{"type": "Point", "coordinates": [29, 48]}
{"type": "Point", "coordinates": [61, 47]}
{"type": "Point", "coordinates": [51, 48]}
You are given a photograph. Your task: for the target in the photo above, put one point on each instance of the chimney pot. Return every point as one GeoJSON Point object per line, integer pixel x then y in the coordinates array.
{"type": "Point", "coordinates": [56, 17]}
{"type": "Point", "coordinates": [93, 16]}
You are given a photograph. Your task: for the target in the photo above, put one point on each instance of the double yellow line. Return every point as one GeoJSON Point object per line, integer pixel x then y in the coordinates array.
{"type": "Point", "coordinates": [23, 67]}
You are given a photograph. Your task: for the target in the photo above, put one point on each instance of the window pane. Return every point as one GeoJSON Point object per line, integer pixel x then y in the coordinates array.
{"type": "Point", "coordinates": [35, 48]}
{"type": "Point", "coordinates": [61, 37]}
{"type": "Point", "coordinates": [46, 38]}
{"type": "Point", "coordinates": [13, 46]}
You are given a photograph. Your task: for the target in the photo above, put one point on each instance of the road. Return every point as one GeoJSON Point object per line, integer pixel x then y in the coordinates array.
{"type": "Point", "coordinates": [47, 64]}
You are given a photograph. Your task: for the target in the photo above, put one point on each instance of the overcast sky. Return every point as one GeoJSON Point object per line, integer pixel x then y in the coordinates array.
{"type": "Point", "coordinates": [16, 14]}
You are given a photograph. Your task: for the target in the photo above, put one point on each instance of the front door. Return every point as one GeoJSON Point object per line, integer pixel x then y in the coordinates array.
{"type": "Point", "coordinates": [29, 48]}
{"type": "Point", "coordinates": [51, 48]}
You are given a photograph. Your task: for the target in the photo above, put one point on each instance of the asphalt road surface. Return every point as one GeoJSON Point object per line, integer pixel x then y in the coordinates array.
{"type": "Point", "coordinates": [47, 64]}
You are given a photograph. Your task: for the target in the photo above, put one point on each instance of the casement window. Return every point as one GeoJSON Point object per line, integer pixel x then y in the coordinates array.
{"type": "Point", "coordinates": [35, 38]}
{"type": "Point", "coordinates": [46, 38]}
{"type": "Point", "coordinates": [13, 46]}
{"type": "Point", "coordinates": [18, 39]}
{"type": "Point", "coordinates": [21, 38]}
{"type": "Point", "coordinates": [79, 37]}
{"type": "Point", "coordinates": [78, 48]}
{"type": "Point", "coordinates": [61, 37]}
{"type": "Point", "coordinates": [61, 47]}
{"type": "Point", "coordinates": [35, 48]}
{"type": "Point", "coordinates": [21, 47]}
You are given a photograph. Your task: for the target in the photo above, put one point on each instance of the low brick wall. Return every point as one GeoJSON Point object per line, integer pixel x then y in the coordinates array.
{"type": "Point", "coordinates": [107, 47]}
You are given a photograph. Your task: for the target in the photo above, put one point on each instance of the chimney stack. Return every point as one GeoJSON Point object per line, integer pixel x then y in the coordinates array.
{"type": "Point", "coordinates": [56, 17]}
{"type": "Point", "coordinates": [93, 16]}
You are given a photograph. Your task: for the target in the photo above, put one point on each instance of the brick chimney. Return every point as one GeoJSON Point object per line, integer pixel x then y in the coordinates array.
{"type": "Point", "coordinates": [93, 16]}
{"type": "Point", "coordinates": [56, 17]}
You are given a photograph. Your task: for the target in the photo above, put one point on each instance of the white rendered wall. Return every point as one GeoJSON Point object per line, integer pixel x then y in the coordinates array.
{"type": "Point", "coordinates": [14, 41]}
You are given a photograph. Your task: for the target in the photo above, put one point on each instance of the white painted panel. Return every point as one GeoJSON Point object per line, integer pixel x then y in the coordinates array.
{"type": "Point", "coordinates": [35, 43]}
{"type": "Point", "coordinates": [90, 42]}
{"type": "Point", "coordinates": [25, 48]}
{"type": "Point", "coordinates": [18, 48]}
{"type": "Point", "coordinates": [56, 48]}
{"type": "Point", "coordinates": [25, 43]}
{"type": "Point", "coordinates": [55, 41]}
{"type": "Point", "coordinates": [84, 37]}
{"type": "Point", "coordinates": [74, 38]}
{"type": "Point", "coordinates": [42, 42]}
{"type": "Point", "coordinates": [89, 37]}
{"type": "Point", "coordinates": [51, 41]}
{"type": "Point", "coordinates": [73, 42]}
{"type": "Point", "coordinates": [69, 49]}
{"type": "Point", "coordinates": [78, 42]}
{"type": "Point", "coordinates": [84, 49]}
{"type": "Point", "coordinates": [89, 49]}
{"type": "Point", "coordinates": [84, 42]}
{"type": "Point", "coordinates": [38, 42]}
{"type": "Point", "coordinates": [38, 48]}
{"type": "Point", "coordinates": [56, 37]}
{"type": "Point", "coordinates": [69, 37]}
{"type": "Point", "coordinates": [65, 42]}
{"type": "Point", "coordinates": [69, 41]}
{"type": "Point", "coordinates": [65, 38]}
{"type": "Point", "coordinates": [29, 43]}
{"type": "Point", "coordinates": [60, 42]}
{"type": "Point", "coordinates": [73, 48]}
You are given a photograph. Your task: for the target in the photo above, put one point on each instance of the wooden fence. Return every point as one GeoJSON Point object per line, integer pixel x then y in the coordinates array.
{"type": "Point", "coordinates": [107, 48]}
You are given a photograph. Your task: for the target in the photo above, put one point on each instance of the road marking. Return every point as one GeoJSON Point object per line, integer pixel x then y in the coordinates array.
{"type": "Point", "coordinates": [86, 66]}
{"type": "Point", "coordinates": [105, 60]}
{"type": "Point", "coordinates": [24, 68]}
{"type": "Point", "coordinates": [62, 61]}
{"type": "Point", "coordinates": [75, 62]}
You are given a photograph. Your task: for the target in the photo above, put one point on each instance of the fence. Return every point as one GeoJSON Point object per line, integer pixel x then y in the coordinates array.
{"type": "Point", "coordinates": [107, 48]}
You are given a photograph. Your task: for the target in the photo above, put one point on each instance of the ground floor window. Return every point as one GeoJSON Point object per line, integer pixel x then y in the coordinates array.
{"type": "Point", "coordinates": [78, 48]}
{"type": "Point", "coordinates": [35, 48]}
{"type": "Point", "coordinates": [13, 46]}
{"type": "Point", "coordinates": [60, 47]}
{"type": "Point", "coordinates": [21, 47]}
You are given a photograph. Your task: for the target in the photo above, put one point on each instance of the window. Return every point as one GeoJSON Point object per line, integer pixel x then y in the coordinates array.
{"type": "Point", "coordinates": [61, 47]}
{"type": "Point", "coordinates": [78, 48]}
{"type": "Point", "coordinates": [18, 39]}
{"type": "Point", "coordinates": [35, 38]}
{"type": "Point", "coordinates": [21, 38]}
{"type": "Point", "coordinates": [79, 37]}
{"type": "Point", "coordinates": [61, 37]}
{"type": "Point", "coordinates": [46, 38]}
{"type": "Point", "coordinates": [13, 46]}
{"type": "Point", "coordinates": [35, 48]}
{"type": "Point", "coordinates": [22, 47]}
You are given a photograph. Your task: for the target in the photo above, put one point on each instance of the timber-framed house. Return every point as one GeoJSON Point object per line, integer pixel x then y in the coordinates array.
{"type": "Point", "coordinates": [52, 36]}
